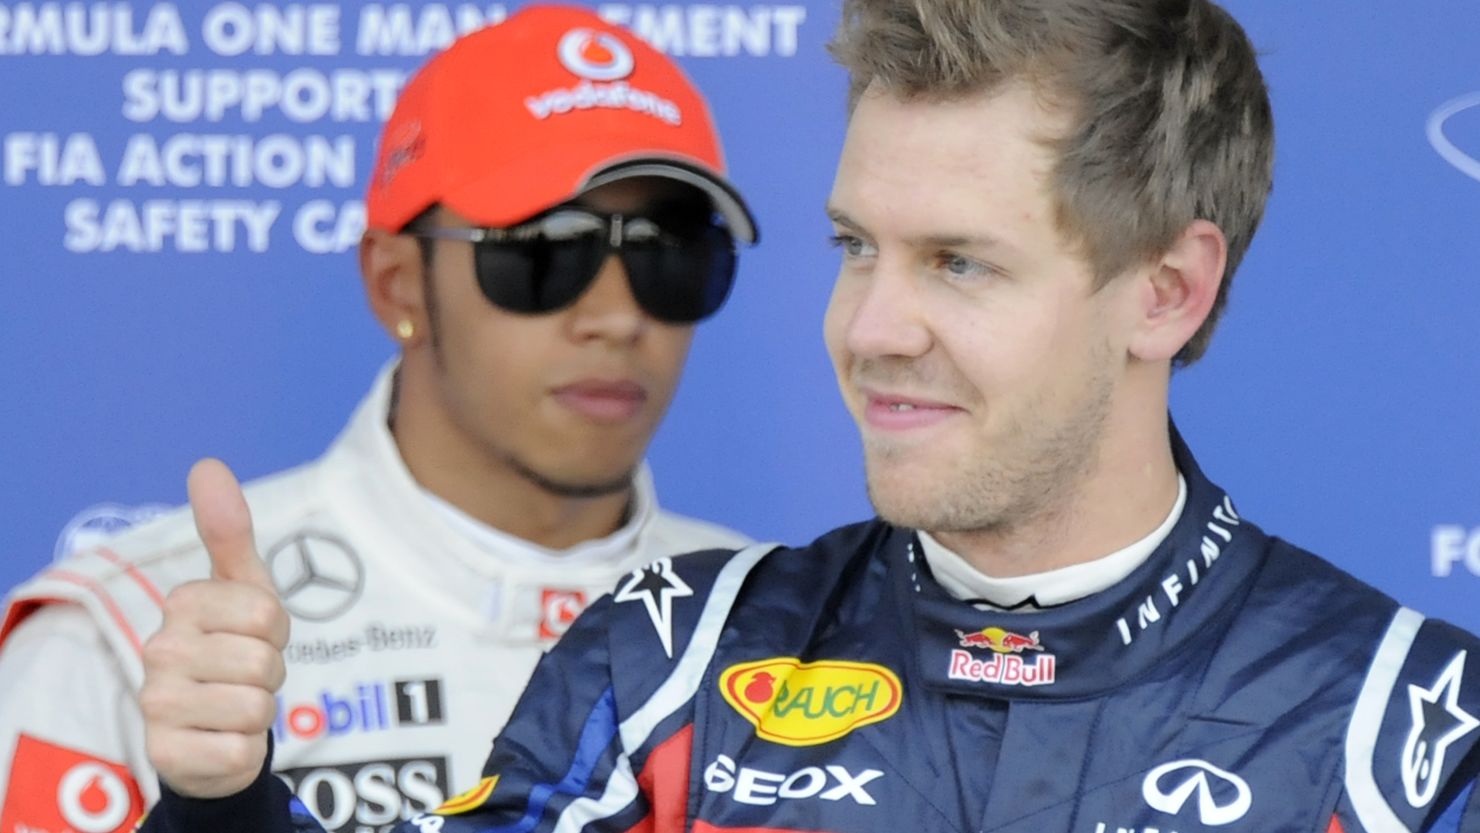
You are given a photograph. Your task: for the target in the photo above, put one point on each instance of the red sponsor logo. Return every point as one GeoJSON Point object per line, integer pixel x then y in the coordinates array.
{"type": "Point", "coordinates": [1003, 669]}
{"type": "Point", "coordinates": [999, 640]}
{"type": "Point", "coordinates": [558, 609]}
{"type": "Point", "coordinates": [54, 789]}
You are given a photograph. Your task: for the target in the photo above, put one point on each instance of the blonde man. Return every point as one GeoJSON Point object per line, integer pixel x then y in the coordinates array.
{"type": "Point", "coordinates": [1058, 623]}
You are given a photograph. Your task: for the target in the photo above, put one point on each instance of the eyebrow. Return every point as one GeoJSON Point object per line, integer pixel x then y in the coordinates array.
{"type": "Point", "coordinates": [947, 241]}
{"type": "Point", "coordinates": [842, 219]}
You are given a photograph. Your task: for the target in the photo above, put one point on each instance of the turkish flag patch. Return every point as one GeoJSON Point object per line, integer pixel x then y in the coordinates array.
{"type": "Point", "coordinates": [54, 789]}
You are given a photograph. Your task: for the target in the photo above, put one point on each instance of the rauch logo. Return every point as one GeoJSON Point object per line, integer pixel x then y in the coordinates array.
{"type": "Point", "coordinates": [807, 703]}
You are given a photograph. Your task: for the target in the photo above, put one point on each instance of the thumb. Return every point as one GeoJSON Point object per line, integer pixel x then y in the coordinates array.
{"type": "Point", "coordinates": [225, 524]}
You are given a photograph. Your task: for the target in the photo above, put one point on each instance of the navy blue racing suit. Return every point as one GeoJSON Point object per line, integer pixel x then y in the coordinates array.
{"type": "Point", "coordinates": [1232, 683]}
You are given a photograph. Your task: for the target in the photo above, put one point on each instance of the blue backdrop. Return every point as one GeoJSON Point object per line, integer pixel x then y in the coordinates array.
{"type": "Point", "coordinates": [157, 309]}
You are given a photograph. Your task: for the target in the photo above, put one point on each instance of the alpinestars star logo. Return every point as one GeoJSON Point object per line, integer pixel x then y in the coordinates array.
{"type": "Point", "coordinates": [656, 585]}
{"type": "Point", "coordinates": [1438, 721]}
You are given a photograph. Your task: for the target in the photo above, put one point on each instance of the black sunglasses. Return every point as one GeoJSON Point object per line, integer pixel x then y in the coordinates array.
{"type": "Point", "coordinates": [680, 270]}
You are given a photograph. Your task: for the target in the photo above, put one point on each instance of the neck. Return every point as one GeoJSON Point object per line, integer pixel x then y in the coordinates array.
{"type": "Point", "coordinates": [488, 485]}
{"type": "Point", "coordinates": [1124, 496]}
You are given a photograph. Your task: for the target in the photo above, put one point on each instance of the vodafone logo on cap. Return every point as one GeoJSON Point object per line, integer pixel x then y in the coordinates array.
{"type": "Point", "coordinates": [93, 799]}
{"type": "Point", "coordinates": [599, 56]}
{"type": "Point", "coordinates": [603, 64]}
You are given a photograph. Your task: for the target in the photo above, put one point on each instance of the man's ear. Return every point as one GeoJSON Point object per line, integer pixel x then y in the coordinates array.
{"type": "Point", "coordinates": [1178, 291]}
{"type": "Point", "coordinates": [392, 271]}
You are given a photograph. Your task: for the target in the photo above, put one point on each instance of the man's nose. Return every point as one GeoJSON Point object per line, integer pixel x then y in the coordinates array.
{"type": "Point", "coordinates": [608, 309]}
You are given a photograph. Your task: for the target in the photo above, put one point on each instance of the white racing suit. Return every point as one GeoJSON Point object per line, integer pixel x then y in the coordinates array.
{"type": "Point", "coordinates": [413, 635]}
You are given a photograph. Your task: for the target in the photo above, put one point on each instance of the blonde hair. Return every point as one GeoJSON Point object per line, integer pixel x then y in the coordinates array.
{"type": "Point", "coordinates": [1171, 116]}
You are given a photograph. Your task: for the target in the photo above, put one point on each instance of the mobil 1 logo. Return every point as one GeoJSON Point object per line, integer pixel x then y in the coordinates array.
{"type": "Point", "coordinates": [369, 796]}
{"type": "Point", "coordinates": [418, 702]}
{"type": "Point", "coordinates": [355, 708]}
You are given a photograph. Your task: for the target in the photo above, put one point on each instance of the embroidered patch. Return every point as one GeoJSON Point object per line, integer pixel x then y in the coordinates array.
{"type": "Point", "coordinates": [656, 586]}
{"type": "Point", "coordinates": [56, 788]}
{"type": "Point", "coordinates": [808, 703]}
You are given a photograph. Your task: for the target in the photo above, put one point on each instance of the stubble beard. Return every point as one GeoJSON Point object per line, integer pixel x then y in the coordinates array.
{"type": "Point", "coordinates": [548, 483]}
{"type": "Point", "coordinates": [1030, 476]}
{"type": "Point", "coordinates": [570, 488]}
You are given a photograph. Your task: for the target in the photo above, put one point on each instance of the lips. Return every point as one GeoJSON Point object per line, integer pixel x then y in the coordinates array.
{"type": "Point", "coordinates": [894, 412]}
{"type": "Point", "coordinates": [602, 400]}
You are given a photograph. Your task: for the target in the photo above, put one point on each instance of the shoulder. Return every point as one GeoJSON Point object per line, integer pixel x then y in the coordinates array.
{"type": "Point", "coordinates": [677, 606]}
{"type": "Point", "coordinates": [121, 583]}
{"type": "Point", "coordinates": [1411, 686]}
{"type": "Point", "coordinates": [58, 650]}
{"type": "Point", "coordinates": [832, 554]}
{"type": "Point", "coordinates": [1302, 624]}
{"type": "Point", "coordinates": [116, 587]}
{"type": "Point", "coordinates": [166, 551]}
{"type": "Point", "coordinates": [1318, 604]}
{"type": "Point", "coordinates": [1413, 740]}
{"type": "Point", "coordinates": [64, 628]}
{"type": "Point", "coordinates": [1333, 612]}
{"type": "Point", "coordinates": [671, 533]}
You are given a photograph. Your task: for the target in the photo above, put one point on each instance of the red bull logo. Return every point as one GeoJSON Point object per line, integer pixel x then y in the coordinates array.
{"type": "Point", "coordinates": [999, 640]}
{"type": "Point", "coordinates": [1006, 666]}
{"type": "Point", "coordinates": [1003, 669]}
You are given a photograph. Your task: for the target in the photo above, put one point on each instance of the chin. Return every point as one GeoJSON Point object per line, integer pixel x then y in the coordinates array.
{"type": "Point", "coordinates": [898, 498]}
{"type": "Point", "coordinates": [579, 481]}
{"type": "Point", "coordinates": [934, 499]}
{"type": "Point", "coordinates": [904, 514]}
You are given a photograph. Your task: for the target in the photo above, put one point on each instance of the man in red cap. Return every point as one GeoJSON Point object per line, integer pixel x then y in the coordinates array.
{"type": "Point", "coordinates": [548, 219]}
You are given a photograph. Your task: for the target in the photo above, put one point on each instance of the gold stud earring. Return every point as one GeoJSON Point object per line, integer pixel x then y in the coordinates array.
{"type": "Point", "coordinates": [405, 329]}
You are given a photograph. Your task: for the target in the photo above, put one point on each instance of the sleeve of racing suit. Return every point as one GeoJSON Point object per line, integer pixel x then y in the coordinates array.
{"type": "Point", "coordinates": [71, 737]}
{"type": "Point", "coordinates": [1413, 736]}
{"type": "Point", "coordinates": [559, 761]}
{"type": "Point", "coordinates": [562, 761]}
{"type": "Point", "coordinates": [265, 805]}
{"type": "Point", "coordinates": [1461, 813]}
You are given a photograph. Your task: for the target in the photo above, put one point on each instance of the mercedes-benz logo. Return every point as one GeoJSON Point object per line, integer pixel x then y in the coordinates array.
{"type": "Point", "coordinates": [317, 576]}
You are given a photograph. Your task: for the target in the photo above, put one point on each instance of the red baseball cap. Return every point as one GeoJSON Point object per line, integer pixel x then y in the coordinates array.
{"type": "Point", "coordinates": [525, 114]}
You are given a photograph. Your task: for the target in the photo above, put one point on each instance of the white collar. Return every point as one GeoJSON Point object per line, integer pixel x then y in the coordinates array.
{"type": "Point", "coordinates": [516, 550]}
{"type": "Point", "coordinates": [390, 483]}
{"type": "Point", "coordinates": [1053, 587]}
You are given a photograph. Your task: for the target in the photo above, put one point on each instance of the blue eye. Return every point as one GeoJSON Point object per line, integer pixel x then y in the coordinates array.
{"type": "Point", "coordinates": [961, 266]}
{"type": "Point", "coordinates": [852, 246]}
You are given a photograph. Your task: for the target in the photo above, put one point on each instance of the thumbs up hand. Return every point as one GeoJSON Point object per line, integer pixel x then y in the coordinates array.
{"type": "Point", "coordinates": [212, 669]}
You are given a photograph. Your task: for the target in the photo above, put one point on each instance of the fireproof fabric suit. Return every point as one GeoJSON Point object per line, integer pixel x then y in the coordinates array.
{"type": "Point", "coordinates": [1232, 684]}
{"type": "Point", "coordinates": [412, 639]}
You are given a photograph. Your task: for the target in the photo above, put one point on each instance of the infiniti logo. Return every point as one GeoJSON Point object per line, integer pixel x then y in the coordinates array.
{"type": "Point", "coordinates": [1222, 797]}
{"type": "Point", "coordinates": [1451, 152]}
{"type": "Point", "coordinates": [317, 576]}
